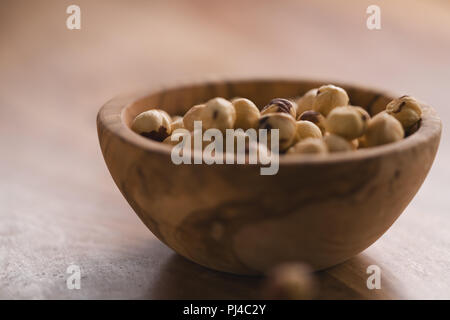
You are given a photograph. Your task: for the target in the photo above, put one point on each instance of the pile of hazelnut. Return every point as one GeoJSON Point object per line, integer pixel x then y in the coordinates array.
{"type": "Point", "coordinates": [320, 121]}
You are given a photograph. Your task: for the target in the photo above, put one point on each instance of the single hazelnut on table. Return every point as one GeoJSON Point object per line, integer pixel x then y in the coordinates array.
{"type": "Point", "coordinates": [405, 109]}
{"type": "Point", "coordinates": [315, 117]}
{"type": "Point", "coordinates": [309, 145]}
{"type": "Point", "coordinates": [247, 114]}
{"type": "Point", "coordinates": [153, 124]}
{"type": "Point", "coordinates": [329, 97]}
{"type": "Point", "coordinates": [346, 122]}
{"type": "Point", "coordinates": [336, 143]}
{"type": "Point", "coordinates": [305, 102]}
{"type": "Point", "coordinates": [290, 281]}
{"type": "Point", "coordinates": [284, 123]}
{"type": "Point", "coordinates": [280, 105]}
{"type": "Point", "coordinates": [306, 129]}
{"type": "Point", "coordinates": [383, 129]}
{"type": "Point", "coordinates": [193, 114]}
{"type": "Point", "coordinates": [218, 113]}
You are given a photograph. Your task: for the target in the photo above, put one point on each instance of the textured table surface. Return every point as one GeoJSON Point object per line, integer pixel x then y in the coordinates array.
{"type": "Point", "coordinates": [58, 204]}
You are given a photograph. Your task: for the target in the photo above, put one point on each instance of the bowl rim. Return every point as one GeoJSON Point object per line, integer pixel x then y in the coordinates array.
{"type": "Point", "coordinates": [111, 117]}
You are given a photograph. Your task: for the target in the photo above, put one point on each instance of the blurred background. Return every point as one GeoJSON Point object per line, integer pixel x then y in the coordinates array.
{"type": "Point", "coordinates": [58, 204]}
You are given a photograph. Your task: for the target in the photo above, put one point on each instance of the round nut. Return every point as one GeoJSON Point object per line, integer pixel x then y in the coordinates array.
{"type": "Point", "coordinates": [193, 114]}
{"type": "Point", "coordinates": [280, 105]}
{"type": "Point", "coordinates": [315, 117]}
{"type": "Point", "coordinates": [247, 114]}
{"type": "Point", "coordinates": [306, 129]}
{"type": "Point", "coordinates": [290, 281]}
{"type": "Point", "coordinates": [184, 137]}
{"type": "Point", "coordinates": [345, 122]}
{"type": "Point", "coordinates": [177, 124]}
{"type": "Point", "coordinates": [365, 116]}
{"type": "Point", "coordinates": [175, 118]}
{"type": "Point", "coordinates": [336, 143]}
{"type": "Point", "coordinates": [218, 113]}
{"type": "Point", "coordinates": [383, 129]}
{"type": "Point", "coordinates": [152, 124]}
{"type": "Point", "coordinates": [305, 102]}
{"type": "Point", "coordinates": [286, 125]}
{"type": "Point", "coordinates": [309, 145]}
{"type": "Point", "coordinates": [405, 109]}
{"type": "Point", "coordinates": [329, 97]}
{"type": "Point", "coordinates": [362, 142]}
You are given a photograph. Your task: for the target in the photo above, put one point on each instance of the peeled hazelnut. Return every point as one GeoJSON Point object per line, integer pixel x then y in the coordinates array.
{"type": "Point", "coordinates": [290, 281]}
{"type": "Point", "coordinates": [406, 110]}
{"type": "Point", "coordinates": [177, 124]}
{"type": "Point", "coordinates": [307, 129]}
{"type": "Point", "coordinates": [185, 135]}
{"type": "Point", "coordinates": [306, 101]}
{"type": "Point", "coordinates": [383, 129]}
{"type": "Point", "coordinates": [218, 113]}
{"type": "Point", "coordinates": [329, 97]}
{"type": "Point", "coordinates": [315, 117]}
{"type": "Point", "coordinates": [336, 143]}
{"type": "Point", "coordinates": [280, 105]}
{"type": "Point", "coordinates": [365, 116]}
{"type": "Point", "coordinates": [309, 145]}
{"type": "Point", "coordinates": [152, 124]}
{"type": "Point", "coordinates": [193, 114]}
{"type": "Point", "coordinates": [346, 122]}
{"type": "Point", "coordinates": [362, 142]}
{"type": "Point", "coordinates": [286, 125]}
{"type": "Point", "coordinates": [247, 114]}
{"type": "Point", "coordinates": [175, 118]}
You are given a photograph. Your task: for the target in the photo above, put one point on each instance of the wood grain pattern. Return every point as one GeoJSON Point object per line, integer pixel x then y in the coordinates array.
{"type": "Point", "coordinates": [58, 204]}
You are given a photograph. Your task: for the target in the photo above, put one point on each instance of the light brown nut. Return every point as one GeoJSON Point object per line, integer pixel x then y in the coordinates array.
{"type": "Point", "coordinates": [247, 114]}
{"type": "Point", "coordinates": [286, 125]}
{"type": "Point", "coordinates": [345, 122]}
{"type": "Point", "coordinates": [193, 114]}
{"type": "Point", "coordinates": [365, 116]}
{"type": "Point", "coordinates": [306, 129]}
{"type": "Point", "coordinates": [280, 105]}
{"type": "Point", "coordinates": [152, 124]}
{"type": "Point", "coordinates": [290, 281]}
{"type": "Point", "coordinates": [177, 124]}
{"type": "Point", "coordinates": [329, 97]}
{"type": "Point", "coordinates": [184, 136]}
{"type": "Point", "coordinates": [219, 114]}
{"type": "Point", "coordinates": [336, 143]}
{"type": "Point", "coordinates": [309, 145]}
{"type": "Point", "coordinates": [305, 102]}
{"type": "Point", "coordinates": [405, 109]}
{"type": "Point", "coordinates": [362, 142]}
{"type": "Point", "coordinates": [383, 129]}
{"type": "Point", "coordinates": [246, 147]}
{"type": "Point", "coordinates": [176, 117]}
{"type": "Point", "coordinates": [315, 117]}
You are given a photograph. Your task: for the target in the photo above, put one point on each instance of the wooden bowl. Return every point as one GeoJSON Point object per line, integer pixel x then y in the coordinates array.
{"type": "Point", "coordinates": [230, 218]}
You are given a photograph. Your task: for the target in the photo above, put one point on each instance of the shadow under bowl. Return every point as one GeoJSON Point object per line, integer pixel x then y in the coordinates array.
{"type": "Point", "coordinates": [320, 210]}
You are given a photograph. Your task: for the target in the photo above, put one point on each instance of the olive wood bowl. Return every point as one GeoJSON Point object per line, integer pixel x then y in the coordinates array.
{"type": "Point", "coordinates": [320, 210]}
